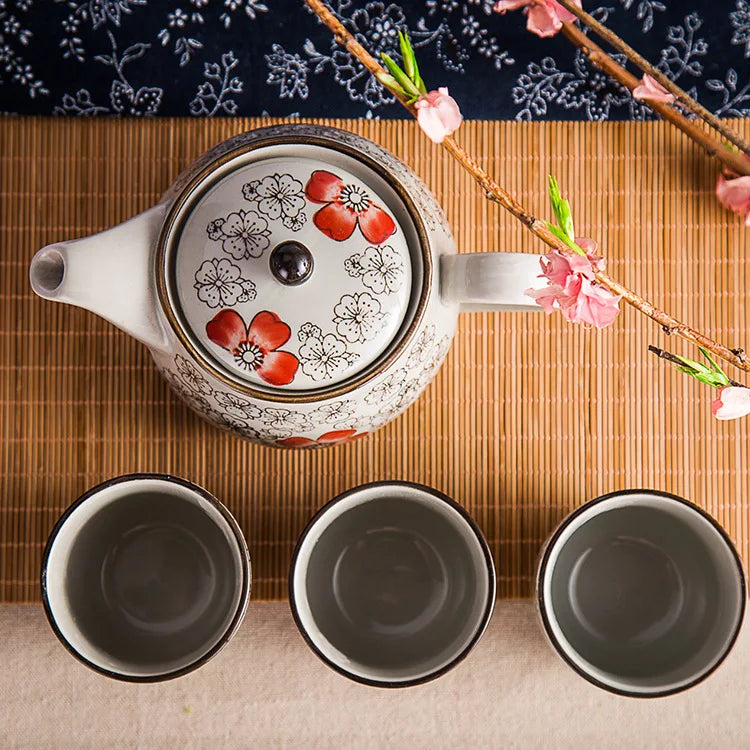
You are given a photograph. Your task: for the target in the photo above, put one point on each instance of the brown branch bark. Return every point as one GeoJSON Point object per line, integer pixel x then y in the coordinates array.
{"type": "Point", "coordinates": [536, 226]}
{"type": "Point", "coordinates": [621, 46]}
{"type": "Point", "coordinates": [734, 161]}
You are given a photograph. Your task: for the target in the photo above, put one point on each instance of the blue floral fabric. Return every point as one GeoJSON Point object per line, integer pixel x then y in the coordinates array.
{"type": "Point", "coordinates": [253, 57]}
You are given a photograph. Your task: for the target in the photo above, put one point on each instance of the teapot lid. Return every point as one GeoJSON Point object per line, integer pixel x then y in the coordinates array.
{"type": "Point", "coordinates": [292, 266]}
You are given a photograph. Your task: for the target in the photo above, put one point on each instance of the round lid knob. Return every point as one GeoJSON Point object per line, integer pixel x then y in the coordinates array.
{"type": "Point", "coordinates": [290, 267]}
{"type": "Point", "coordinates": [291, 263]}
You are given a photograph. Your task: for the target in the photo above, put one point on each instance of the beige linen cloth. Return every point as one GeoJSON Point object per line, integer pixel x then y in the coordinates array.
{"type": "Point", "coordinates": [267, 690]}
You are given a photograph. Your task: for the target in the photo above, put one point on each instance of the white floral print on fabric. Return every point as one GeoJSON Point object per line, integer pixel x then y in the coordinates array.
{"type": "Point", "coordinates": [545, 85]}
{"type": "Point", "coordinates": [255, 57]}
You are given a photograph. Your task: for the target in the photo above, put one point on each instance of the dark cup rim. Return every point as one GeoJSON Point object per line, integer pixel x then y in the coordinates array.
{"type": "Point", "coordinates": [481, 624]}
{"type": "Point", "coordinates": [245, 583]}
{"type": "Point", "coordinates": [543, 609]}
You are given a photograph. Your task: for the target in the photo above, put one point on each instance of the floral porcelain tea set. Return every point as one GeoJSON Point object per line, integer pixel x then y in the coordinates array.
{"type": "Point", "coordinates": [297, 285]}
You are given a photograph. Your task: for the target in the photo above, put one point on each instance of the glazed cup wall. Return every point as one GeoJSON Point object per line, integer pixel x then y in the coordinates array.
{"type": "Point", "coordinates": [330, 529]}
{"type": "Point", "coordinates": [63, 611]}
{"type": "Point", "coordinates": [684, 519]}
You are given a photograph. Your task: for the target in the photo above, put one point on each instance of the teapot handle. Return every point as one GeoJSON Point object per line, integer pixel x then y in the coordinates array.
{"type": "Point", "coordinates": [490, 281]}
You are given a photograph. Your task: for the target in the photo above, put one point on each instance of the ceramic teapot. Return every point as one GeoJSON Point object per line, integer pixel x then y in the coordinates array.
{"type": "Point", "coordinates": [297, 285]}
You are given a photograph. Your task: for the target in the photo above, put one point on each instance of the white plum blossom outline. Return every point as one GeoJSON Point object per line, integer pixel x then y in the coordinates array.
{"type": "Point", "coordinates": [421, 346]}
{"type": "Point", "coordinates": [237, 406]}
{"type": "Point", "coordinates": [281, 418]}
{"type": "Point", "coordinates": [358, 317]}
{"type": "Point", "coordinates": [380, 268]}
{"type": "Point", "coordinates": [219, 283]}
{"type": "Point", "coordinates": [243, 234]}
{"type": "Point", "coordinates": [278, 196]}
{"type": "Point", "coordinates": [389, 389]}
{"type": "Point", "coordinates": [191, 377]}
{"type": "Point", "coordinates": [323, 356]}
{"type": "Point", "coordinates": [337, 413]}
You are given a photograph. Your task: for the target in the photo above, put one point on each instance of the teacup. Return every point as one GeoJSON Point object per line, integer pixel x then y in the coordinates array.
{"type": "Point", "coordinates": [392, 584]}
{"type": "Point", "coordinates": [145, 577]}
{"type": "Point", "coordinates": [641, 592]}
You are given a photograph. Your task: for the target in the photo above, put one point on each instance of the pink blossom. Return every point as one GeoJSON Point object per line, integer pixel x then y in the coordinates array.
{"type": "Point", "coordinates": [650, 90]}
{"type": "Point", "coordinates": [503, 6]}
{"type": "Point", "coordinates": [561, 268]}
{"type": "Point", "coordinates": [735, 195]}
{"type": "Point", "coordinates": [438, 114]}
{"type": "Point", "coordinates": [572, 288]}
{"type": "Point", "coordinates": [732, 402]}
{"type": "Point", "coordinates": [543, 17]}
{"type": "Point", "coordinates": [590, 303]}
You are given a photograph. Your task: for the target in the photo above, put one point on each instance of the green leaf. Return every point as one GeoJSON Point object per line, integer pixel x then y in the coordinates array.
{"type": "Point", "coordinates": [558, 233]}
{"type": "Point", "coordinates": [562, 235]}
{"type": "Point", "coordinates": [719, 372]}
{"type": "Point", "coordinates": [407, 53]}
{"type": "Point", "coordinates": [566, 221]}
{"type": "Point", "coordinates": [702, 377]}
{"type": "Point", "coordinates": [411, 68]}
{"type": "Point", "coordinates": [553, 190]}
{"type": "Point", "coordinates": [709, 379]}
{"type": "Point", "coordinates": [561, 208]}
{"type": "Point", "coordinates": [701, 373]}
{"type": "Point", "coordinates": [403, 80]}
{"type": "Point", "coordinates": [713, 375]}
{"type": "Point", "coordinates": [392, 84]}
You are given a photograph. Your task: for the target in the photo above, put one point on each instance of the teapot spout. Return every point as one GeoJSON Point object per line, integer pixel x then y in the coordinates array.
{"type": "Point", "coordinates": [109, 273]}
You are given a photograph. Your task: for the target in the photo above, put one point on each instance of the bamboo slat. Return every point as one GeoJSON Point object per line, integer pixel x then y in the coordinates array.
{"type": "Point", "coordinates": [528, 418]}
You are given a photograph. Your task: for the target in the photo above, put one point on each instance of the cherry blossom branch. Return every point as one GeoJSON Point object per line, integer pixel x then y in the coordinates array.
{"type": "Point", "coordinates": [682, 96]}
{"type": "Point", "coordinates": [540, 228]}
{"type": "Point", "coordinates": [680, 363]}
{"type": "Point", "coordinates": [733, 399]}
{"type": "Point", "coordinates": [733, 160]}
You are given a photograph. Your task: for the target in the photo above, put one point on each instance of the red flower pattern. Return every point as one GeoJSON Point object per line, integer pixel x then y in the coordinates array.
{"type": "Point", "coordinates": [255, 347]}
{"type": "Point", "coordinates": [327, 438]}
{"type": "Point", "coordinates": [346, 206]}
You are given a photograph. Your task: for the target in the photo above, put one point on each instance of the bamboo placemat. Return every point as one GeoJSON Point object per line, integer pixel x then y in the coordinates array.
{"type": "Point", "coordinates": [528, 418]}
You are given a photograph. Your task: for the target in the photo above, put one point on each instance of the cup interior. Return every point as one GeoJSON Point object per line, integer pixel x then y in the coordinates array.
{"type": "Point", "coordinates": [145, 578]}
{"type": "Point", "coordinates": [642, 593]}
{"type": "Point", "coordinates": [392, 583]}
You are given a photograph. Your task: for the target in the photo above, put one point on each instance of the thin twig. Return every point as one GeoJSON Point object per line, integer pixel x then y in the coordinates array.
{"type": "Point", "coordinates": [733, 160]}
{"type": "Point", "coordinates": [510, 204]}
{"type": "Point", "coordinates": [675, 360]}
{"type": "Point", "coordinates": [621, 46]}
